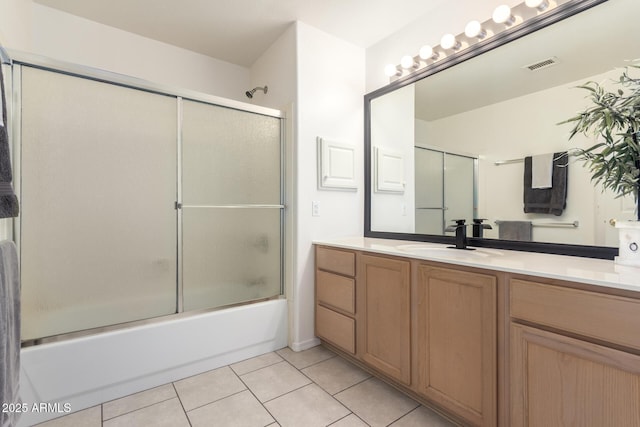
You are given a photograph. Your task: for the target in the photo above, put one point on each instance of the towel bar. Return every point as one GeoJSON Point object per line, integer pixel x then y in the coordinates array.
{"type": "Point", "coordinates": [510, 161]}
{"type": "Point", "coordinates": [507, 162]}
{"type": "Point", "coordinates": [574, 224]}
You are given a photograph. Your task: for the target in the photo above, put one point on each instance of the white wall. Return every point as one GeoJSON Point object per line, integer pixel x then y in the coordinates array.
{"type": "Point", "coordinates": [449, 17]}
{"type": "Point", "coordinates": [276, 68]}
{"type": "Point", "coordinates": [44, 31]}
{"type": "Point", "coordinates": [329, 105]}
{"type": "Point", "coordinates": [392, 129]}
{"type": "Point", "coordinates": [15, 23]}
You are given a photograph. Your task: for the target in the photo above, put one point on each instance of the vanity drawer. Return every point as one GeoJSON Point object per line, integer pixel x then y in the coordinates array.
{"type": "Point", "coordinates": [604, 317]}
{"type": "Point", "coordinates": [336, 291]}
{"type": "Point", "coordinates": [341, 262]}
{"type": "Point", "coordinates": [336, 328]}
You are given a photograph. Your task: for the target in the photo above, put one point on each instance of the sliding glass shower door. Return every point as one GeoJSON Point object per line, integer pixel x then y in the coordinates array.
{"type": "Point", "coordinates": [232, 208]}
{"type": "Point", "coordinates": [97, 221]}
{"type": "Point", "coordinates": [136, 204]}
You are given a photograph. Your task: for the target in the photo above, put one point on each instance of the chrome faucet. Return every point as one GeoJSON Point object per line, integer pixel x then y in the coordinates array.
{"type": "Point", "coordinates": [461, 233]}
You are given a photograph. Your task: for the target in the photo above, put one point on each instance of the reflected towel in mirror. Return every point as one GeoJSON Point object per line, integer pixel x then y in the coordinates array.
{"type": "Point", "coordinates": [542, 171]}
{"type": "Point", "coordinates": [547, 200]}
{"type": "Point", "coordinates": [515, 230]}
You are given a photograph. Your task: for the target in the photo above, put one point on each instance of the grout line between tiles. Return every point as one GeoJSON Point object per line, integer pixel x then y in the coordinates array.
{"type": "Point", "coordinates": [315, 363]}
{"type": "Point", "coordinates": [134, 410]}
{"type": "Point", "coordinates": [214, 401]}
{"type": "Point", "coordinates": [257, 369]}
{"type": "Point", "coordinates": [275, 420]}
{"type": "Point", "coordinates": [284, 394]}
{"type": "Point", "coordinates": [263, 404]}
{"type": "Point", "coordinates": [186, 414]}
{"type": "Point", "coordinates": [350, 413]}
{"type": "Point", "coordinates": [402, 416]}
{"type": "Point", "coordinates": [354, 385]}
{"type": "Point", "coordinates": [312, 382]}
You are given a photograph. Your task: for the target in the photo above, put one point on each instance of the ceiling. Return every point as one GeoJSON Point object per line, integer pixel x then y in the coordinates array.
{"type": "Point", "coordinates": [593, 42]}
{"type": "Point", "coordinates": [239, 31]}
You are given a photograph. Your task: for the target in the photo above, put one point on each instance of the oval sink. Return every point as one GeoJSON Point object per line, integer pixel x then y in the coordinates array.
{"type": "Point", "coordinates": [440, 250]}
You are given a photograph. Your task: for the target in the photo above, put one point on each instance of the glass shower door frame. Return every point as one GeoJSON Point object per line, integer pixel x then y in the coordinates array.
{"type": "Point", "coordinates": [443, 208]}
{"type": "Point", "coordinates": [181, 206]}
{"type": "Point", "coordinates": [12, 228]}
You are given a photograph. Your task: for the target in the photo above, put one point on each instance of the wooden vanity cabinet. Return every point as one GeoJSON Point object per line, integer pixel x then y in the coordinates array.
{"type": "Point", "coordinates": [429, 329]}
{"type": "Point", "coordinates": [384, 316]}
{"type": "Point", "coordinates": [335, 297]}
{"type": "Point", "coordinates": [490, 348]}
{"type": "Point", "coordinates": [456, 348]}
{"type": "Point", "coordinates": [575, 357]}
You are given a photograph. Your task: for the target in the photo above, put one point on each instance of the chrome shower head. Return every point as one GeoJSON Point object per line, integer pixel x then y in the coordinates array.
{"type": "Point", "coordinates": [250, 93]}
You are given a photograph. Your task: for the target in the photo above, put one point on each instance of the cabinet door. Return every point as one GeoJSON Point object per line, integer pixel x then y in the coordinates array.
{"type": "Point", "coordinates": [384, 318]}
{"type": "Point", "coordinates": [561, 381]}
{"type": "Point", "coordinates": [456, 341]}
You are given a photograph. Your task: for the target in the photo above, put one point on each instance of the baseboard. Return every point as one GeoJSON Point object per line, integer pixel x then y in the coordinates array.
{"type": "Point", "coordinates": [305, 345]}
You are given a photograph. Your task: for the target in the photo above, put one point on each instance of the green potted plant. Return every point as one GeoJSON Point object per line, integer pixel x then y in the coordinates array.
{"type": "Point", "coordinates": [614, 161]}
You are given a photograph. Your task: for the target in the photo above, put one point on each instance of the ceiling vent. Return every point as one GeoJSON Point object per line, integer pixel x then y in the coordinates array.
{"type": "Point", "coordinates": [545, 63]}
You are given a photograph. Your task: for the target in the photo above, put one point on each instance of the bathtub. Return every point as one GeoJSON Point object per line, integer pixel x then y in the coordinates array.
{"type": "Point", "coordinates": [68, 376]}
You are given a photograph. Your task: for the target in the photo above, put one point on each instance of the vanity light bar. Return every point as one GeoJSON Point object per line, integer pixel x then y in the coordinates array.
{"type": "Point", "coordinates": [503, 18]}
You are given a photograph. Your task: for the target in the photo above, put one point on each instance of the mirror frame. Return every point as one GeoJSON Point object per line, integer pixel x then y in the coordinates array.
{"type": "Point", "coordinates": [551, 17]}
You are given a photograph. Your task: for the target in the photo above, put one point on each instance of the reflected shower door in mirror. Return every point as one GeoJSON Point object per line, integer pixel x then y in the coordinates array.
{"type": "Point", "coordinates": [504, 102]}
{"type": "Point", "coordinates": [445, 190]}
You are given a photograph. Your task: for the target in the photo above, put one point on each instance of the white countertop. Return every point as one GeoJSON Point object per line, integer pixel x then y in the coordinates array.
{"type": "Point", "coordinates": [576, 269]}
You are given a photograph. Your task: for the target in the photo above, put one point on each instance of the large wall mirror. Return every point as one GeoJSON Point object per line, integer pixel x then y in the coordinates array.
{"type": "Point", "coordinates": [450, 141]}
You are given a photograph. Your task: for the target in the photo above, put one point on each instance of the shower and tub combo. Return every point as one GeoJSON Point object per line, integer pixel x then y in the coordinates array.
{"type": "Point", "coordinates": [151, 236]}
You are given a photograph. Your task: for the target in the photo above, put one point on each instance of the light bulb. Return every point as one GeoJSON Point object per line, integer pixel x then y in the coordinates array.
{"type": "Point", "coordinates": [426, 52]}
{"type": "Point", "coordinates": [391, 70]}
{"type": "Point", "coordinates": [407, 62]}
{"type": "Point", "coordinates": [541, 5]}
{"type": "Point", "coordinates": [474, 29]}
{"type": "Point", "coordinates": [449, 41]}
{"type": "Point", "coordinates": [502, 15]}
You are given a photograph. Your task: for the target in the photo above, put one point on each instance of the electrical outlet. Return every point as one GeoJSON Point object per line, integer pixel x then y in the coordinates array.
{"type": "Point", "coordinates": [315, 208]}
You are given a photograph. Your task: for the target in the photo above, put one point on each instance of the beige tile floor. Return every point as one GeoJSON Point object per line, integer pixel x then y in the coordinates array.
{"type": "Point", "coordinates": [284, 388]}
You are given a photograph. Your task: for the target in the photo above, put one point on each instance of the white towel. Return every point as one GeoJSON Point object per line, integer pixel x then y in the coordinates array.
{"type": "Point", "coordinates": [542, 171]}
{"type": "Point", "coordinates": [9, 332]}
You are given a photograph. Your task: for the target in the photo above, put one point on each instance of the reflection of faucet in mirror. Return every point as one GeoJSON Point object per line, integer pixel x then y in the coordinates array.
{"type": "Point", "coordinates": [461, 233]}
{"type": "Point", "coordinates": [479, 227]}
